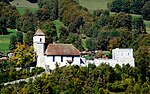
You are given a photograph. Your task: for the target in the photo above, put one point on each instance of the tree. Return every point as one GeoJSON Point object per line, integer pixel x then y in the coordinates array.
{"type": "Point", "coordinates": [42, 14]}
{"type": "Point", "coordinates": [24, 55]}
{"type": "Point", "coordinates": [29, 38]}
{"type": "Point", "coordinates": [10, 13]}
{"type": "Point", "coordinates": [142, 61]}
{"type": "Point", "coordinates": [3, 28]}
{"type": "Point", "coordinates": [122, 20]}
{"type": "Point", "coordinates": [115, 6]}
{"type": "Point", "coordinates": [113, 43]}
{"type": "Point", "coordinates": [90, 44]}
{"type": "Point", "coordinates": [136, 6]}
{"type": "Point", "coordinates": [19, 37]}
{"type": "Point", "coordinates": [63, 34]}
{"type": "Point", "coordinates": [139, 26]}
{"type": "Point", "coordinates": [75, 26]}
{"type": "Point", "coordinates": [145, 11]}
{"type": "Point", "coordinates": [50, 32]}
{"type": "Point", "coordinates": [51, 7]}
{"type": "Point", "coordinates": [13, 42]}
{"type": "Point", "coordinates": [74, 39]}
{"type": "Point", "coordinates": [27, 22]}
{"type": "Point", "coordinates": [42, 86]}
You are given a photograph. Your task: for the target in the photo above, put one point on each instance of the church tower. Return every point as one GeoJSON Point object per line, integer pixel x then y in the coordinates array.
{"type": "Point", "coordinates": [38, 43]}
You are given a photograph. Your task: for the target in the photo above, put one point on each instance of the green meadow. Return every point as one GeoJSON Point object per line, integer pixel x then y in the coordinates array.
{"type": "Point", "coordinates": [22, 5]}
{"type": "Point", "coordinates": [22, 9]}
{"type": "Point", "coordinates": [92, 5]}
{"type": "Point", "coordinates": [4, 41]}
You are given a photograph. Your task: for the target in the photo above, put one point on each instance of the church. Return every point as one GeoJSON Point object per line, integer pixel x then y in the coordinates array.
{"type": "Point", "coordinates": [47, 57]}
{"type": "Point", "coordinates": [67, 54]}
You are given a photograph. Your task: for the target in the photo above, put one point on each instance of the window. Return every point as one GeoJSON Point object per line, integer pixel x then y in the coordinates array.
{"type": "Point", "coordinates": [61, 58]}
{"type": "Point", "coordinates": [128, 53]}
{"type": "Point", "coordinates": [40, 39]}
{"type": "Point", "coordinates": [72, 58]}
{"type": "Point", "coordinates": [53, 58]}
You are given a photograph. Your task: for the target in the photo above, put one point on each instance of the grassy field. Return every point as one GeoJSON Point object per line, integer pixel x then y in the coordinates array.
{"type": "Point", "coordinates": [4, 41]}
{"type": "Point", "coordinates": [147, 23]}
{"type": "Point", "coordinates": [92, 5]}
{"type": "Point", "coordinates": [22, 5]}
{"type": "Point", "coordinates": [22, 9]}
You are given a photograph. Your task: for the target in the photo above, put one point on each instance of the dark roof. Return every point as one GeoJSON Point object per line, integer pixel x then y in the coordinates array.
{"type": "Point", "coordinates": [61, 49]}
{"type": "Point", "coordinates": [39, 33]}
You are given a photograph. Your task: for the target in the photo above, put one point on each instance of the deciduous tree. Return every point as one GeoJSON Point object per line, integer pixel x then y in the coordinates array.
{"type": "Point", "coordinates": [24, 55]}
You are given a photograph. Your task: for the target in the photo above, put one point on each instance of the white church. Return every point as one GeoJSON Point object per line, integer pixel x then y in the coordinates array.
{"type": "Point", "coordinates": [67, 54]}
{"type": "Point", "coordinates": [63, 54]}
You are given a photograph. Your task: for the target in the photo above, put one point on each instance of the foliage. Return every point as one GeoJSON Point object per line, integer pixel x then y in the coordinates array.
{"type": "Point", "coordinates": [19, 37]}
{"type": "Point", "coordinates": [74, 79]}
{"type": "Point", "coordinates": [143, 62]}
{"type": "Point", "coordinates": [51, 7]}
{"type": "Point", "coordinates": [10, 14]}
{"type": "Point", "coordinates": [24, 55]}
{"type": "Point", "coordinates": [29, 38]}
{"type": "Point", "coordinates": [50, 32]}
{"type": "Point", "coordinates": [3, 29]}
{"type": "Point", "coordinates": [131, 6]}
{"type": "Point", "coordinates": [9, 72]}
{"type": "Point", "coordinates": [13, 41]}
{"type": "Point", "coordinates": [145, 11]}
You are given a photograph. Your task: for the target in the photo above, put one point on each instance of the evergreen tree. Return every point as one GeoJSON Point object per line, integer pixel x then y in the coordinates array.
{"type": "Point", "coordinates": [13, 42]}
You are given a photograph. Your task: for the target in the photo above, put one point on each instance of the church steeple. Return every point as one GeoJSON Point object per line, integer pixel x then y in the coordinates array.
{"type": "Point", "coordinates": [39, 37]}
{"type": "Point", "coordinates": [39, 33]}
{"type": "Point", "coordinates": [38, 42]}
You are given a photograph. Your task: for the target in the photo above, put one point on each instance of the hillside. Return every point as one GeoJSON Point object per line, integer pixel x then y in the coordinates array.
{"type": "Point", "coordinates": [94, 4]}
{"type": "Point", "coordinates": [22, 5]}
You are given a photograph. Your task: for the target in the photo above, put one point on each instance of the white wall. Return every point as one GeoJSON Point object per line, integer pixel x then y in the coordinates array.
{"type": "Point", "coordinates": [97, 62]}
{"type": "Point", "coordinates": [49, 61]}
{"type": "Point", "coordinates": [39, 49]}
{"type": "Point", "coordinates": [123, 56]}
{"type": "Point", "coordinates": [111, 62]}
{"type": "Point", "coordinates": [41, 61]}
{"type": "Point", "coordinates": [39, 39]}
{"type": "Point", "coordinates": [38, 43]}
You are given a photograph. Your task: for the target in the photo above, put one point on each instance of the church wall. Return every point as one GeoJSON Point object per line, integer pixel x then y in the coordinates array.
{"type": "Point", "coordinates": [76, 61]}
{"type": "Point", "coordinates": [40, 49]}
{"type": "Point", "coordinates": [49, 61]}
{"type": "Point", "coordinates": [37, 39]}
{"type": "Point", "coordinates": [41, 61]}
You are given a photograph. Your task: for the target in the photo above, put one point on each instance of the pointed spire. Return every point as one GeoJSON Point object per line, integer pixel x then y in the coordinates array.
{"type": "Point", "coordinates": [39, 33]}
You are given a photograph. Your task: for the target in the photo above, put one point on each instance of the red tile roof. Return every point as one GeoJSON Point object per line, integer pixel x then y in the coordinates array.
{"type": "Point", "coordinates": [39, 33]}
{"type": "Point", "coordinates": [61, 49]}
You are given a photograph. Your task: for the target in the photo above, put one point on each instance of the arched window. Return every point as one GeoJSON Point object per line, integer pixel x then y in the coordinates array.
{"type": "Point", "coordinates": [40, 39]}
